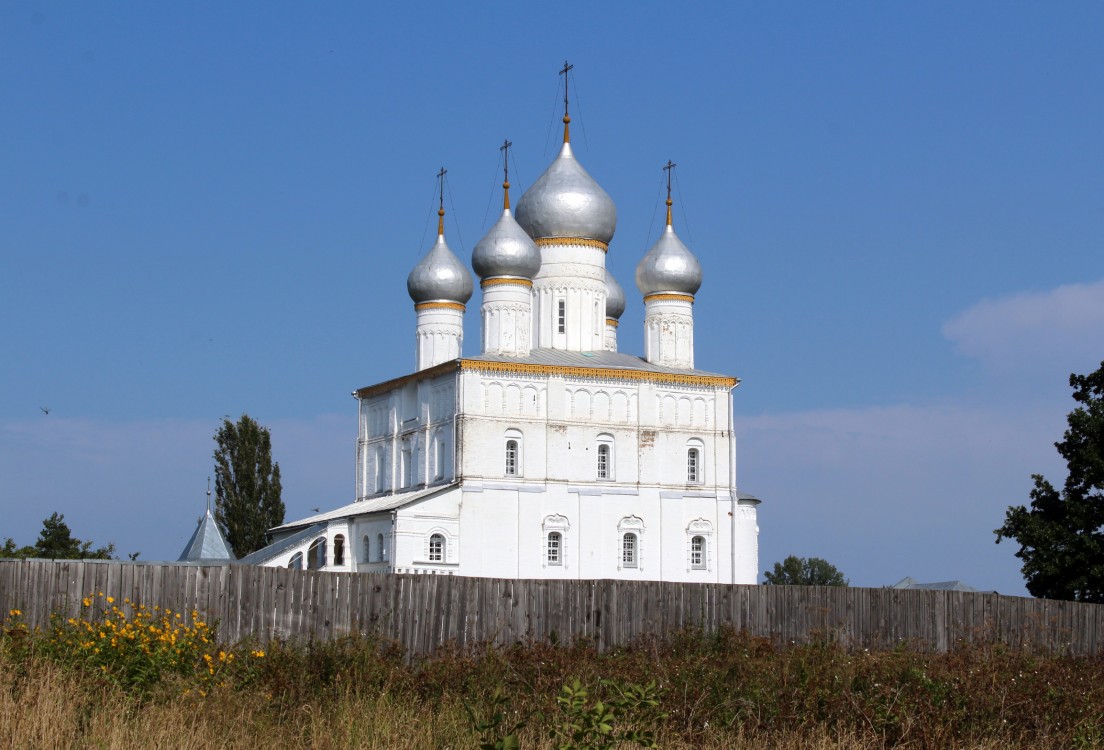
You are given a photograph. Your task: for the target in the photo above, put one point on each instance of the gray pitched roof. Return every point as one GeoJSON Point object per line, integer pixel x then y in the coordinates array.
{"type": "Point", "coordinates": [264, 554]}
{"type": "Point", "coordinates": [363, 507]}
{"type": "Point", "coordinates": [207, 543]}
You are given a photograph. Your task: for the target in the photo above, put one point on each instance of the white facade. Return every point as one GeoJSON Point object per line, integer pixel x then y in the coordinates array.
{"type": "Point", "coordinates": [550, 454]}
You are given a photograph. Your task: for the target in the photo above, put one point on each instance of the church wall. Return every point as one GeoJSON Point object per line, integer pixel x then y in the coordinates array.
{"type": "Point", "coordinates": [416, 524]}
{"type": "Point", "coordinates": [506, 532]}
{"type": "Point", "coordinates": [648, 428]}
{"type": "Point", "coordinates": [407, 437]}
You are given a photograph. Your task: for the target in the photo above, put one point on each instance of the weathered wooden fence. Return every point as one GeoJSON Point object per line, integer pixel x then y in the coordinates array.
{"type": "Point", "coordinates": [422, 612]}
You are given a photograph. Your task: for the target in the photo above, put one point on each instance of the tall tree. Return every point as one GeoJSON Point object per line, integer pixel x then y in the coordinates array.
{"type": "Point", "coordinates": [1061, 537]}
{"type": "Point", "coordinates": [247, 484]}
{"type": "Point", "coordinates": [805, 571]}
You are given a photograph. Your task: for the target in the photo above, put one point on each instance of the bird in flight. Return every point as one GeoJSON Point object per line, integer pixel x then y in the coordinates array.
{"type": "Point", "coordinates": [45, 409]}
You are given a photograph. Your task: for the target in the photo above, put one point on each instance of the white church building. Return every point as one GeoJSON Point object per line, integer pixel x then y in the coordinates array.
{"type": "Point", "coordinates": [550, 454]}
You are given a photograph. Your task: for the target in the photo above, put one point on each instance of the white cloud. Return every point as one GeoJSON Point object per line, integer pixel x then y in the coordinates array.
{"type": "Point", "coordinates": [1037, 332]}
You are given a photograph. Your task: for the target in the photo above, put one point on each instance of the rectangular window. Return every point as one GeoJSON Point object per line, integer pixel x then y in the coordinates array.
{"type": "Point", "coordinates": [603, 461]}
{"type": "Point", "coordinates": [628, 551]}
{"type": "Point", "coordinates": [439, 472]}
{"type": "Point", "coordinates": [697, 553]}
{"type": "Point", "coordinates": [555, 548]}
{"type": "Point", "coordinates": [561, 316]}
{"type": "Point", "coordinates": [692, 470]}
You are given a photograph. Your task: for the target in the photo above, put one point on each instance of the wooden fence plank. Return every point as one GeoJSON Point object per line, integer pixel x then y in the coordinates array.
{"type": "Point", "coordinates": [423, 612]}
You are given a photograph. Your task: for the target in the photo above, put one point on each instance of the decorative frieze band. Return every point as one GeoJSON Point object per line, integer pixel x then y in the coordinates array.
{"type": "Point", "coordinates": [439, 306]}
{"type": "Point", "coordinates": [669, 297]}
{"type": "Point", "coordinates": [505, 280]}
{"type": "Point", "coordinates": [572, 241]}
{"type": "Point", "coordinates": [717, 381]}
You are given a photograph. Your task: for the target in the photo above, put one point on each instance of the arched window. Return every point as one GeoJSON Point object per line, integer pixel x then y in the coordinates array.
{"type": "Point", "coordinates": [513, 452]}
{"type": "Point", "coordinates": [365, 549]}
{"type": "Point", "coordinates": [436, 548]}
{"type": "Point", "coordinates": [697, 552]}
{"type": "Point", "coordinates": [629, 557]}
{"type": "Point", "coordinates": [316, 555]}
{"type": "Point", "coordinates": [605, 457]}
{"type": "Point", "coordinates": [339, 550]}
{"type": "Point", "coordinates": [554, 548]}
{"type": "Point", "coordinates": [603, 461]}
{"type": "Point", "coordinates": [693, 465]}
{"type": "Point", "coordinates": [296, 561]}
{"type": "Point", "coordinates": [381, 548]}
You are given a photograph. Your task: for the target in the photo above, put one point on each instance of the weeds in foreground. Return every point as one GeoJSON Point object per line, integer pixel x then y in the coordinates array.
{"type": "Point", "coordinates": [687, 690]}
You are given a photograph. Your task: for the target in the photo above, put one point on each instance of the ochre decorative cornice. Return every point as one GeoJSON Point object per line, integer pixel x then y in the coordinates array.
{"type": "Point", "coordinates": [505, 280]}
{"type": "Point", "coordinates": [573, 241]}
{"type": "Point", "coordinates": [669, 297]}
{"type": "Point", "coordinates": [606, 373]}
{"type": "Point", "coordinates": [612, 322]}
{"type": "Point", "coordinates": [439, 306]}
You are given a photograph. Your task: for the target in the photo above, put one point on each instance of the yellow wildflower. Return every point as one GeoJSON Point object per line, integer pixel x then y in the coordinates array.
{"type": "Point", "coordinates": [110, 600]}
{"type": "Point", "coordinates": [14, 613]}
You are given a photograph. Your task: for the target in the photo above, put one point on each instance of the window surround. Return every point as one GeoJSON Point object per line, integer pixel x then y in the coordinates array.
{"type": "Point", "coordinates": [554, 524]}
{"type": "Point", "coordinates": [695, 466]}
{"type": "Point", "coordinates": [604, 464]}
{"type": "Point", "coordinates": [438, 547]}
{"type": "Point", "coordinates": [630, 531]}
{"type": "Point", "coordinates": [512, 454]}
{"type": "Point", "coordinates": [699, 545]}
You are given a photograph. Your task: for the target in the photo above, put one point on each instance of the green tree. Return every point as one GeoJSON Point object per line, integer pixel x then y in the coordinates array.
{"type": "Point", "coordinates": [805, 571]}
{"type": "Point", "coordinates": [10, 550]}
{"type": "Point", "coordinates": [247, 484]}
{"type": "Point", "coordinates": [1061, 537]}
{"type": "Point", "coordinates": [56, 542]}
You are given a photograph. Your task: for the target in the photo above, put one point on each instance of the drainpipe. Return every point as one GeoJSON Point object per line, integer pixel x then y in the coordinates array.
{"type": "Point", "coordinates": [732, 490]}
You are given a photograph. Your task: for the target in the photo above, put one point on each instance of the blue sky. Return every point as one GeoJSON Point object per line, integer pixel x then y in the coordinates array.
{"type": "Point", "coordinates": [210, 209]}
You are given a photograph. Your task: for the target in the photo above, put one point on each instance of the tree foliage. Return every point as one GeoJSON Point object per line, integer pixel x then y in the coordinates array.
{"type": "Point", "coordinates": [1061, 536]}
{"type": "Point", "coordinates": [805, 571]}
{"type": "Point", "coordinates": [247, 484]}
{"type": "Point", "coordinates": [56, 542]}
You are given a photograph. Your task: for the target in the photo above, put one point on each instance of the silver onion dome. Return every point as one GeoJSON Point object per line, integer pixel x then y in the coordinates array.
{"type": "Point", "coordinates": [565, 201]}
{"type": "Point", "coordinates": [439, 276]}
{"type": "Point", "coordinates": [669, 267]}
{"type": "Point", "coordinates": [506, 251]}
{"type": "Point", "coordinates": [615, 297]}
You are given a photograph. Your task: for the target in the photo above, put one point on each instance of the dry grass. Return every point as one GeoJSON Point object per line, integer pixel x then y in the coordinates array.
{"type": "Point", "coordinates": [721, 691]}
